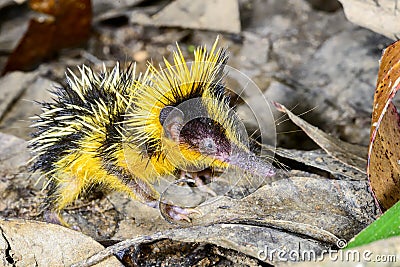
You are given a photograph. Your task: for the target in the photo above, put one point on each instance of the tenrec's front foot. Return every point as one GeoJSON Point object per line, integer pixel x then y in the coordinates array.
{"type": "Point", "coordinates": [175, 213]}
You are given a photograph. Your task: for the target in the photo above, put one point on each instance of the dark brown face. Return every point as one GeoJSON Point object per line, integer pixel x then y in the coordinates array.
{"type": "Point", "coordinates": [206, 136]}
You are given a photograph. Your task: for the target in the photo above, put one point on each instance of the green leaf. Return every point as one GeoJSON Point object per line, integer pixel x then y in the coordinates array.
{"type": "Point", "coordinates": [384, 227]}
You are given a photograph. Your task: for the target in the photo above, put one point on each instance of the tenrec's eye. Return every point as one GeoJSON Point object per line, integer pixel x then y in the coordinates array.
{"type": "Point", "coordinates": [208, 146]}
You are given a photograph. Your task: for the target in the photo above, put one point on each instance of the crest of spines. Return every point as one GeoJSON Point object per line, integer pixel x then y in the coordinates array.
{"type": "Point", "coordinates": [175, 83]}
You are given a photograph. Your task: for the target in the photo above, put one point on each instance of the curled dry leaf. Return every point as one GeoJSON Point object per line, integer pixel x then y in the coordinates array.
{"type": "Point", "coordinates": [321, 160]}
{"type": "Point", "coordinates": [351, 155]}
{"type": "Point", "coordinates": [384, 149]}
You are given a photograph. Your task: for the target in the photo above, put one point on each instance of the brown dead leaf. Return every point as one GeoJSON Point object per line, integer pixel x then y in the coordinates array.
{"type": "Point", "coordinates": [34, 45]}
{"type": "Point", "coordinates": [67, 24]}
{"type": "Point", "coordinates": [384, 151]}
{"type": "Point", "coordinates": [72, 20]}
{"type": "Point", "coordinates": [47, 6]}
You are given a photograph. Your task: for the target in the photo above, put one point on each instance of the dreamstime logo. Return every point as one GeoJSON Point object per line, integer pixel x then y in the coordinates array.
{"type": "Point", "coordinates": [198, 121]}
{"type": "Point", "coordinates": [341, 243]}
{"type": "Point", "coordinates": [343, 255]}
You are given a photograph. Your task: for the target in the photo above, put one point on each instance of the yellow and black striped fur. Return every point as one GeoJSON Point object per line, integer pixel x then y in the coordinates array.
{"type": "Point", "coordinates": [122, 130]}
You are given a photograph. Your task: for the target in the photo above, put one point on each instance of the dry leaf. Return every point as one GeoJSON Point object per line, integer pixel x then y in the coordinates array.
{"type": "Point", "coordinates": [320, 160]}
{"type": "Point", "coordinates": [384, 153]}
{"type": "Point", "coordinates": [349, 154]}
{"type": "Point", "coordinates": [66, 24]}
{"type": "Point", "coordinates": [30, 243]}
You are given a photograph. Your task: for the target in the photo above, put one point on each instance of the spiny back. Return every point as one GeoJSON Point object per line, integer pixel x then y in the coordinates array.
{"type": "Point", "coordinates": [89, 107]}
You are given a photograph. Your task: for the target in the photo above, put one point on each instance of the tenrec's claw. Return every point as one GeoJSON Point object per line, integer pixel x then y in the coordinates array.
{"type": "Point", "coordinates": [177, 213]}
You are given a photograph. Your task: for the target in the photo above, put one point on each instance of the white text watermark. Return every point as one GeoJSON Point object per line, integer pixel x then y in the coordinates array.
{"type": "Point", "coordinates": [348, 255]}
